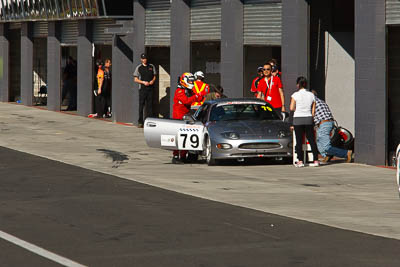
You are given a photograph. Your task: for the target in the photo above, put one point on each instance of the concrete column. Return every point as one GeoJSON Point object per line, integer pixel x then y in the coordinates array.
{"type": "Point", "coordinates": [27, 63]}
{"type": "Point", "coordinates": [138, 48]}
{"type": "Point", "coordinates": [370, 82]}
{"type": "Point", "coordinates": [4, 63]}
{"type": "Point", "coordinates": [232, 52]}
{"type": "Point", "coordinates": [180, 43]}
{"type": "Point", "coordinates": [123, 108]}
{"type": "Point", "coordinates": [54, 66]}
{"type": "Point", "coordinates": [85, 68]}
{"type": "Point", "coordinates": [295, 36]}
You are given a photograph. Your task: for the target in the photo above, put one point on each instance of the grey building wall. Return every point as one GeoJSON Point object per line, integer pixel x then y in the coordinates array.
{"type": "Point", "coordinates": [180, 43]}
{"type": "Point", "coordinates": [370, 82]}
{"type": "Point", "coordinates": [85, 68]}
{"type": "Point", "coordinates": [339, 69]}
{"type": "Point", "coordinates": [4, 61]}
{"type": "Point", "coordinates": [138, 48]}
{"type": "Point", "coordinates": [27, 63]}
{"type": "Point", "coordinates": [123, 103]}
{"type": "Point", "coordinates": [295, 36]}
{"type": "Point", "coordinates": [54, 67]}
{"type": "Point", "coordinates": [232, 52]}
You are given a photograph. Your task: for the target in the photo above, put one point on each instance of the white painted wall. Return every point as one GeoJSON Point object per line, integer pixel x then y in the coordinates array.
{"type": "Point", "coordinates": [340, 73]}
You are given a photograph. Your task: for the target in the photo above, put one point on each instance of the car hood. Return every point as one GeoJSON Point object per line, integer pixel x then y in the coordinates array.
{"type": "Point", "coordinates": [250, 129]}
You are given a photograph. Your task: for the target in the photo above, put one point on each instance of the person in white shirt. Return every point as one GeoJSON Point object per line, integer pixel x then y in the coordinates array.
{"type": "Point", "coordinates": [303, 105]}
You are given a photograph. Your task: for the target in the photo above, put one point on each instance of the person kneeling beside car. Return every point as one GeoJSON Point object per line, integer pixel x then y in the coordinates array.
{"type": "Point", "coordinates": [324, 120]}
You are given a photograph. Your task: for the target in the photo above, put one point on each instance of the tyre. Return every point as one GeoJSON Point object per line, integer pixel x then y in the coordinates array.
{"type": "Point", "coordinates": [209, 157]}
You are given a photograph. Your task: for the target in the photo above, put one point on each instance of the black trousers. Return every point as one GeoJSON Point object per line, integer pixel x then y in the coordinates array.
{"type": "Point", "coordinates": [145, 99]}
{"type": "Point", "coordinates": [101, 103]}
{"type": "Point", "coordinates": [308, 130]}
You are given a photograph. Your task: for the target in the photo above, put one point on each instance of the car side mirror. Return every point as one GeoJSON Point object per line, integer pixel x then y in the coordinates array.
{"type": "Point", "coordinates": [189, 119]}
{"type": "Point", "coordinates": [285, 116]}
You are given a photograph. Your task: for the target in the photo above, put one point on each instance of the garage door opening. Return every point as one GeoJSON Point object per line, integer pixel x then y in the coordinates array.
{"type": "Point", "coordinates": [103, 52]}
{"type": "Point", "coordinates": [254, 57]}
{"type": "Point", "coordinates": [206, 57]}
{"type": "Point", "coordinates": [40, 71]}
{"type": "Point", "coordinates": [69, 80]}
{"type": "Point", "coordinates": [160, 58]}
{"type": "Point", "coordinates": [393, 60]}
{"type": "Point", "coordinates": [15, 65]}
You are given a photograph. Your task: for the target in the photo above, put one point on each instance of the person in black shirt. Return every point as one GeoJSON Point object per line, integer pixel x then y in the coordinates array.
{"type": "Point", "coordinates": [145, 76]}
{"type": "Point", "coordinates": [107, 88]}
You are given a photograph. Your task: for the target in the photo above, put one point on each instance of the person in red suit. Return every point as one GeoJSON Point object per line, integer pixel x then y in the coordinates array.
{"type": "Point", "coordinates": [183, 99]}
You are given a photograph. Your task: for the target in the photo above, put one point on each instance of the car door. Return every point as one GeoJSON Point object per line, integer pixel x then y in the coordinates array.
{"type": "Point", "coordinates": [173, 134]}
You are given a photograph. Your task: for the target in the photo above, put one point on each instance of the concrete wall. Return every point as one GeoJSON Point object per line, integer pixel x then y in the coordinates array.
{"type": "Point", "coordinates": [295, 39]}
{"type": "Point", "coordinates": [4, 63]}
{"type": "Point", "coordinates": [339, 86]}
{"type": "Point", "coordinates": [370, 82]}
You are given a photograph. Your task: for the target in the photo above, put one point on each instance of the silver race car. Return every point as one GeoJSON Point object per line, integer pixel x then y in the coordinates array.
{"type": "Point", "coordinates": [225, 129]}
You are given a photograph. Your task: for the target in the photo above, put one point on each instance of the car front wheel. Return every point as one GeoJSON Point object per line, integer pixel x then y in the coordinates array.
{"type": "Point", "coordinates": [209, 157]}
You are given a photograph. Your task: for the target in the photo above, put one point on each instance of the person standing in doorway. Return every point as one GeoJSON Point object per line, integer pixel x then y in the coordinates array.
{"type": "Point", "coordinates": [270, 89]}
{"type": "Point", "coordinates": [145, 76]}
{"type": "Point", "coordinates": [99, 102]}
{"type": "Point", "coordinates": [107, 88]}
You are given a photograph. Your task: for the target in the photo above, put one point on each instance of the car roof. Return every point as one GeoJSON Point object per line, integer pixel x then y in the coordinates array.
{"type": "Point", "coordinates": [236, 100]}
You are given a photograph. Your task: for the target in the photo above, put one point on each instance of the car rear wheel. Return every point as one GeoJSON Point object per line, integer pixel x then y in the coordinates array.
{"type": "Point", "coordinates": [209, 157]}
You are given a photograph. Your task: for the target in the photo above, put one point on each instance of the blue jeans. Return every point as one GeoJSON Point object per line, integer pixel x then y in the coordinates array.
{"type": "Point", "coordinates": [324, 142]}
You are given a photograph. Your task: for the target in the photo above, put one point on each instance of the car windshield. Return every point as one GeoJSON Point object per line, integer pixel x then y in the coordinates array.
{"type": "Point", "coordinates": [243, 111]}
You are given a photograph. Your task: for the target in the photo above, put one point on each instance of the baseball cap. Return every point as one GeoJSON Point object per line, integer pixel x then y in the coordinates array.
{"type": "Point", "coordinates": [260, 69]}
{"type": "Point", "coordinates": [143, 56]}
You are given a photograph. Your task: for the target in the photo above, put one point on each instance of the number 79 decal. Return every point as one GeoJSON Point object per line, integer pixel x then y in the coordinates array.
{"type": "Point", "coordinates": [190, 140]}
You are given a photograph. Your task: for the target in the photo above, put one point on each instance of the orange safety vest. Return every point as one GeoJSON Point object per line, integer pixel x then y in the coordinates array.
{"type": "Point", "coordinates": [197, 90]}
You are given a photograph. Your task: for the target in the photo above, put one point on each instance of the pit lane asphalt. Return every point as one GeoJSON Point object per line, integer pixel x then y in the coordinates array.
{"type": "Point", "coordinates": [102, 220]}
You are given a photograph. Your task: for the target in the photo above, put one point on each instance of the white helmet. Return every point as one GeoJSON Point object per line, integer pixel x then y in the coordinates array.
{"type": "Point", "coordinates": [199, 75]}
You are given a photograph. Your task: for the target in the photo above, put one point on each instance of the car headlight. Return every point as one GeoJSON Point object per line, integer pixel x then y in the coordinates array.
{"type": "Point", "coordinates": [282, 134]}
{"type": "Point", "coordinates": [231, 135]}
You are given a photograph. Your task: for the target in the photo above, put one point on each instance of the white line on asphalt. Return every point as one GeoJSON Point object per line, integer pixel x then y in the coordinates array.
{"type": "Point", "coordinates": [39, 251]}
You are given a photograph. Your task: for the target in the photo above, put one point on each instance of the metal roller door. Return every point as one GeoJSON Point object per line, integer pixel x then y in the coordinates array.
{"type": "Point", "coordinates": [158, 23]}
{"type": "Point", "coordinates": [69, 33]}
{"type": "Point", "coordinates": [99, 36]}
{"type": "Point", "coordinates": [262, 22]}
{"type": "Point", "coordinates": [15, 25]}
{"type": "Point", "coordinates": [40, 29]}
{"type": "Point", "coordinates": [392, 12]}
{"type": "Point", "coordinates": [205, 20]}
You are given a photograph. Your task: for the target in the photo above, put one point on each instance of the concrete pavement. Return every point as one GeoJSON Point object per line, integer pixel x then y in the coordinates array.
{"type": "Point", "coordinates": [349, 196]}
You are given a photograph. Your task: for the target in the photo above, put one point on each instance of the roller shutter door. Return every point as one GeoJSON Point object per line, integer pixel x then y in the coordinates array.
{"type": "Point", "coordinates": [40, 29]}
{"type": "Point", "coordinates": [99, 36]}
{"type": "Point", "coordinates": [15, 25]}
{"type": "Point", "coordinates": [262, 22]}
{"type": "Point", "coordinates": [69, 33]}
{"type": "Point", "coordinates": [158, 23]}
{"type": "Point", "coordinates": [205, 20]}
{"type": "Point", "coordinates": [392, 12]}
